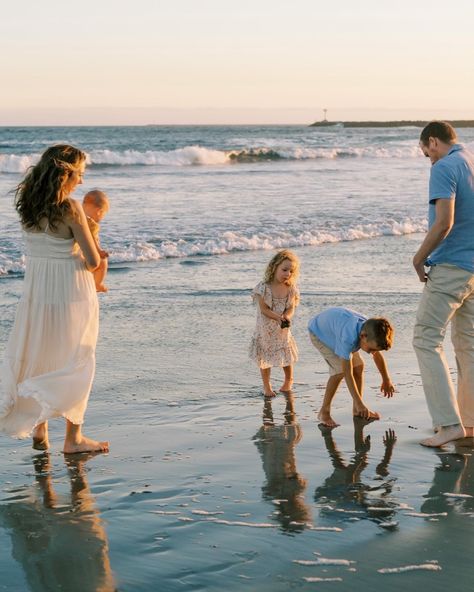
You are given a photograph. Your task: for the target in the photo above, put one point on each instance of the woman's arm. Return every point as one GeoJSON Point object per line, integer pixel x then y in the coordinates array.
{"type": "Point", "coordinates": [77, 222]}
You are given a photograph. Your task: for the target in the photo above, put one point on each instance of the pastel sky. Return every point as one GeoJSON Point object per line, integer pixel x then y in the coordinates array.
{"type": "Point", "coordinates": [248, 61]}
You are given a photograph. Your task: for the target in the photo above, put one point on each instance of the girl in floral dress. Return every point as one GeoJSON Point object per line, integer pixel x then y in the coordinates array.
{"type": "Point", "coordinates": [276, 298]}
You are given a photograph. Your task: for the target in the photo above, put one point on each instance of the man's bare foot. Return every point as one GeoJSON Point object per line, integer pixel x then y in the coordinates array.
{"type": "Point", "coordinates": [101, 288]}
{"type": "Point", "coordinates": [85, 445]}
{"type": "Point", "coordinates": [444, 435]}
{"type": "Point", "coordinates": [469, 432]}
{"type": "Point", "coordinates": [326, 420]}
{"type": "Point", "coordinates": [40, 437]}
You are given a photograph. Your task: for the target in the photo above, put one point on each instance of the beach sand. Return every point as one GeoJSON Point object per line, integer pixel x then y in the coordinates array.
{"type": "Point", "coordinates": [207, 486]}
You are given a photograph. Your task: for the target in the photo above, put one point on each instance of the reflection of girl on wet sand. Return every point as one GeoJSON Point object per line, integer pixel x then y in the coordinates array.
{"type": "Point", "coordinates": [344, 490]}
{"type": "Point", "coordinates": [276, 444]}
{"type": "Point", "coordinates": [61, 546]}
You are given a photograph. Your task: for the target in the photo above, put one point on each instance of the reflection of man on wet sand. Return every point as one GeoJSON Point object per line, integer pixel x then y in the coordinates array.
{"type": "Point", "coordinates": [276, 444]}
{"type": "Point", "coordinates": [60, 545]}
{"type": "Point", "coordinates": [344, 492]}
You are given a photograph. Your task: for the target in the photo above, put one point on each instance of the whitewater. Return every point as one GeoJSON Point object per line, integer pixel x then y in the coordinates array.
{"type": "Point", "coordinates": [191, 191]}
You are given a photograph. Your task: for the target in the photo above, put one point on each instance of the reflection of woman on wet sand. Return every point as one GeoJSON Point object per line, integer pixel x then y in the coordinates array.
{"type": "Point", "coordinates": [276, 444]}
{"type": "Point", "coordinates": [61, 546]}
{"type": "Point", "coordinates": [344, 490]}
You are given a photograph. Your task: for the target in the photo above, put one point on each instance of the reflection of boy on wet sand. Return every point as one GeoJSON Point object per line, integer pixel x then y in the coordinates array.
{"type": "Point", "coordinates": [276, 444]}
{"type": "Point", "coordinates": [344, 490]}
{"type": "Point", "coordinates": [60, 546]}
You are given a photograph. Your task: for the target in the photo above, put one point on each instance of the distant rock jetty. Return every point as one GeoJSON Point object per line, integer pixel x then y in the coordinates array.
{"type": "Point", "coordinates": [402, 123]}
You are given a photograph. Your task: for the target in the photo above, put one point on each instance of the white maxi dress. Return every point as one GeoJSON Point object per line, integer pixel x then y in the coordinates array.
{"type": "Point", "coordinates": [50, 355]}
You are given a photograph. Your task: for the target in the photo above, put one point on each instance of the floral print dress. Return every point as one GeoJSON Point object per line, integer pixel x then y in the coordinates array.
{"type": "Point", "coordinates": [271, 345]}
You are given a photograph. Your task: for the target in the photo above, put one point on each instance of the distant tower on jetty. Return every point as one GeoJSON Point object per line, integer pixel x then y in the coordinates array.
{"type": "Point", "coordinates": [325, 114]}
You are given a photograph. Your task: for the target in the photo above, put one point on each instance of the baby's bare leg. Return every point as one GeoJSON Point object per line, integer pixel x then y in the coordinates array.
{"type": "Point", "coordinates": [99, 275]}
{"type": "Point", "coordinates": [324, 414]}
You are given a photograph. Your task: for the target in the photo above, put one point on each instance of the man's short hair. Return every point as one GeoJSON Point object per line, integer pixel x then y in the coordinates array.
{"type": "Point", "coordinates": [379, 330]}
{"type": "Point", "coordinates": [442, 130]}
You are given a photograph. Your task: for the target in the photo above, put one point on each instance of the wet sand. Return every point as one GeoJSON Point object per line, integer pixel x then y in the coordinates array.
{"type": "Point", "coordinates": [208, 486]}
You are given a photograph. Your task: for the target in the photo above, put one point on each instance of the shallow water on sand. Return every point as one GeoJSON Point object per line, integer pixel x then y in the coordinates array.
{"type": "Point", "coordinates": [207, 485]}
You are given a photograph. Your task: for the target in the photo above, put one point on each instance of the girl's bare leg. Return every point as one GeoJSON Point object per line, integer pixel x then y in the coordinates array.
{"type": "Point", "coordinates": [324, 414]}
{"type": "Point", "coordinates": [75, 441]}
{"type": "Point", "coordinates": [40, 436]}
{"type": "Point", "coordinates": [288, 384]}
{"type": "Point", "coordinates": [267, 387]}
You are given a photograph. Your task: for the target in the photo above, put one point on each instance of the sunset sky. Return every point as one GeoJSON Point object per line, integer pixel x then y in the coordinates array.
{"type": "Point", "coordinates": [250, 61]}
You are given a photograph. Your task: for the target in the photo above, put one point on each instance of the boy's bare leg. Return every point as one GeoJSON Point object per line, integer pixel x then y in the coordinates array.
{"type": "Point", "coordinates": [324, 414]}
{"type": "Point", "coordinates": [99, 276]}
{"type": "Point", "coordinates": [76, 442]}
{"type": "Point", "coordinates": [267, 387]}
{"type": "Point", "coordinates": [40, 436]}
{"type": "Point", "coordinates": [358, 372]}
{"type": "Point", "coordinates": [444, 435]}
{"type": "Point", "coordinates": [288, 384]}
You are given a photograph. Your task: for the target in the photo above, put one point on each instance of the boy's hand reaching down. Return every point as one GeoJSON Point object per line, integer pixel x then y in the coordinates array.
{"type": "Point", "coordinates": [387, 388]}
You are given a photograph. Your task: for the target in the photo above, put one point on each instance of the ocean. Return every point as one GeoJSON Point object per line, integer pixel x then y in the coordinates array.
{"type": "Point", "coordinates": [207, 485]}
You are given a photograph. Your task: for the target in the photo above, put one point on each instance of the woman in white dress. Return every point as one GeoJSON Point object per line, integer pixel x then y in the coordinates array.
{"type": "Point", "coordinates": [50, 355]}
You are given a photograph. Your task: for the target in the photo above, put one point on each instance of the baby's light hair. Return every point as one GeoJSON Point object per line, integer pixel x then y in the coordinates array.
{"type": "Point", "coordinates": [379, 330]}
{"type": "Point", "coordinates": [96, 198]}
{"type": "Point", "coordinates": [276, 260]}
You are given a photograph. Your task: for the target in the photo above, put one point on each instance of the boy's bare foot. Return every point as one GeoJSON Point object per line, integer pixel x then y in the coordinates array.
{"type": "Point", "coordinates": [101, 288]}
{"type": "Point", "coordinates": [326, 420]}
{"type": "Point", "coordinates": [366, 414]}
{"type": "Point", "coordinates": [40, 437]}
{"type": "Point", "coordinates": [85, 445]}
{"type": "Point", "coordinates": [444, 435]}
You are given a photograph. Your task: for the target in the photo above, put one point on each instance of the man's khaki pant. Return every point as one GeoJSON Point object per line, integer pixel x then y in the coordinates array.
{"type": "Point", "coordinates": [448, 297]}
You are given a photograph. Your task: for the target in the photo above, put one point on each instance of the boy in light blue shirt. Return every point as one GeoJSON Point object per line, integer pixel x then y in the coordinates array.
{"type": "Point", "coordinates": [338, 333]}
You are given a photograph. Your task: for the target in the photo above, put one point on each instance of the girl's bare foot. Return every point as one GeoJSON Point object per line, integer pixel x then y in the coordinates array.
{"type": "Point", "coordinates": [326, 419]}
{"type": "Point", "coordinates": [40, 437]}
{"type": "Point", "coordinates": [269, 393]}
{"type": "Point", "coordinates": [287, 388]}
{"type": "Point", "coordinates": [444, 435]}
{"type": "Point", "coordinates": [85, 445]}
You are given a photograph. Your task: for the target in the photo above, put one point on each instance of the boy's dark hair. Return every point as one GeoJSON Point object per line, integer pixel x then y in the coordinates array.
{"type": "Point", "coordinates": [379, 330]}
{"type": "Point", "coordinates": [442, 130]}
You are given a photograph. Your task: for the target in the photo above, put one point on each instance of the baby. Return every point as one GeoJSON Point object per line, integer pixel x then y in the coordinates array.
{"type": "Point", "coordinates": [96, 205]}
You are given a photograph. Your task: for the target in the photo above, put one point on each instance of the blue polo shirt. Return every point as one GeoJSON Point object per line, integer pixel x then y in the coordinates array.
{"type": "Point", "coordinates": [452, 177]}
{"type": "Point", "coordinates": [338, 328]}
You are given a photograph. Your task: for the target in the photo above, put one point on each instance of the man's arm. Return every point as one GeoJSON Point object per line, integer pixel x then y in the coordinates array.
{"type": "Point", "coordinates": [444, 219]}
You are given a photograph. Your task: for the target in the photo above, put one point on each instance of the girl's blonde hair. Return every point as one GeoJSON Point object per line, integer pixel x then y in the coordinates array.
{"type": "Point", "coordinates": [275, 262]}
{"type": "Point", "coordinates": [42, 193]}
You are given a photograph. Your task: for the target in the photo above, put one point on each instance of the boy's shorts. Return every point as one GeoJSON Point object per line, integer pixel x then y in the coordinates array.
{"type": "Point", "coordinates": [334, 362]}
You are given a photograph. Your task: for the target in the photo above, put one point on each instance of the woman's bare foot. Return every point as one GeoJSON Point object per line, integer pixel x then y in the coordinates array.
{"type": "Point", "coordinates": [40, 437]}
{"type": "Point", "coordinates": [444, 435]}
{"type": "Point", "coordinates": [469, 432]}
{"type": "Point", "coordinates": [85, 445]}
{"type": "Point", "coordinates": [326, 420]}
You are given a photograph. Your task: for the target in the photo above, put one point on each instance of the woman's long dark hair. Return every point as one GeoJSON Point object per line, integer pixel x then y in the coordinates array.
{"type": "Point", "coordinates": [42, 193]}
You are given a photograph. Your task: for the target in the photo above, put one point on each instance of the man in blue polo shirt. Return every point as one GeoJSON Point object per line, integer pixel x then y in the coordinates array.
{"type": "Point", "coordinates": [448, 295]}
